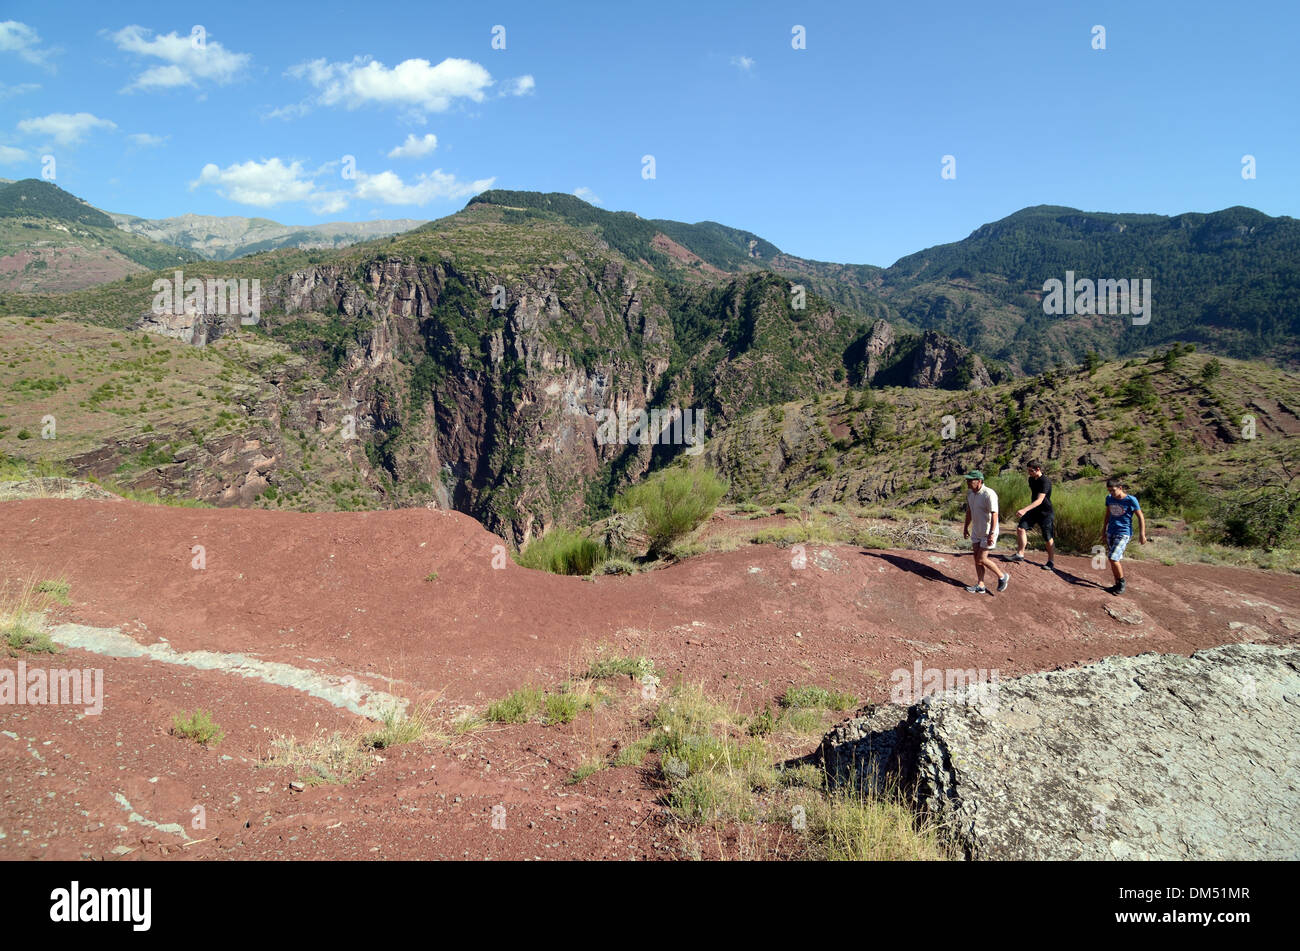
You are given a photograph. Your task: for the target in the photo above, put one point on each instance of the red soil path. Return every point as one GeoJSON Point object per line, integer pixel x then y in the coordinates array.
{"type": "Point", "coordinates": [346, 594]}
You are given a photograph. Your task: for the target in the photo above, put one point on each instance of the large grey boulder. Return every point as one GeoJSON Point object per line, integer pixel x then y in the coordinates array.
{"type": "Point", "coordinates": [1152, 757]}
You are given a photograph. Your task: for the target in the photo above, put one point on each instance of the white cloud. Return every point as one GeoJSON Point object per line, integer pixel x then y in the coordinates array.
{"type": "Point", "coordinates": [270, 182]}
{"type": "Point", "coordinates": [63, 127]}
{"type": "Point", "coordinates": [147, 139]}
{"type": "Point", "coordinates": [292, 111]}
{"type": "Point", "coordinates": [415, 148]}
{"type": "Point", "coordinates": [520, 86]}
{"type": "Point", "coordinates": [744, 63]}
{"type": "Point", "coordinates": [413, 83]}
{"type": "Point", "coordinates": [10, 155]}
{"type": "Point", "coordinates": [586, 194]}
{"type": "Point", "coordinates": [17, 90]}
{"type": "Point", "coordinates": [389, 188]}
{"type": "Point", "coordinates": [329, 202]}
{"type": "Point", "coordinates": [262, 184]}
{"type": "Point", "coordinates": [21, 39]}
{"type": "Point", "coordinates": [188, 62]}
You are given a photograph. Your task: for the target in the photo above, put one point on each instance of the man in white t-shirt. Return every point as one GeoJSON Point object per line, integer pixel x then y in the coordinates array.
{"type": "Point", "coordinates": [982, 529]}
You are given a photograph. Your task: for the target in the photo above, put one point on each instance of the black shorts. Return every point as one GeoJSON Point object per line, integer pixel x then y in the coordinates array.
{"type": "Point", "coordinates": [1036, 518]}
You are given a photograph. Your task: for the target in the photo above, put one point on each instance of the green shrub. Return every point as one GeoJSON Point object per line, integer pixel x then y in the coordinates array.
{"type": "Point", "coordinates": [1012, 488]}
{"type": "Point", "coordinates": [1169, 487]}
{"type": "Point", "coordinates": [1260, 516]}
{"type": "Point", "coordinates": [562, 707]}
{"type": "Point", "coordinates": [197, 726]}
{"type": "Point", "coordinates": [1138, 391]}
{"type": "Point", "coordinates": [1080, 511]}
{"type": "Point", "coordinates": [673, 502]}
{"type": "Point", "coordinates": [628, 666]}
{"type": "Point", "coordinates": [57, 590]}
{"type": "Point", "coordinates": [563, 552]}
{"type": "Point", "coordinates": [520, 707]}
{"type": "Point", "coordinates": [817, 698]}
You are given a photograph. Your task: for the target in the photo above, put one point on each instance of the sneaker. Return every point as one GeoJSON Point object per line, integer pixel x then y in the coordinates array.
{"type": "Point", "coordinates": [1017, 557]}
{"type": "Point", "coordinates": [977, 589]}
{"type": "Point", "coordinates": [1049, 566]}
{"type": "Point", "coordinates": [1003, 582]}
{"type": "Point", "coordinates": [1120, 586]}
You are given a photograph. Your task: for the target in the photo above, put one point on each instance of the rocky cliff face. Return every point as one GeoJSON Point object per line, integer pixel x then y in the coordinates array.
{"type": "Point", "coordinates": [943, 363]}
{"type": "Point", "coordinates": [483, 392]}
{"type": "Point", "coordinates": [485, 389]}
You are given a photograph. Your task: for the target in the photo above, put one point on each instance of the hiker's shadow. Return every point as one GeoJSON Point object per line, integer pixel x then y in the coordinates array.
{"type": "Point", "coordinates": [1076, 580]}
{"type": "Point", "coordinates": [929, 572]}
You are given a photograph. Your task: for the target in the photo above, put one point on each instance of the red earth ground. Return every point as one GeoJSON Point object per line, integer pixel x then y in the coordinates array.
{"type": "Point", "coordinates": [409, 601]}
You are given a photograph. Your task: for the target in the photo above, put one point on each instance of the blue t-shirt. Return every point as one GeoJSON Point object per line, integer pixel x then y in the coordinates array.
{"type": "Point", "coordinates": [1121, 514]}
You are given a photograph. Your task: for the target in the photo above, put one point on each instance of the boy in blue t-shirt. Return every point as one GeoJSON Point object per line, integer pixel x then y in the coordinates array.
{"type": "Point", "coordinates": [1118, 529]}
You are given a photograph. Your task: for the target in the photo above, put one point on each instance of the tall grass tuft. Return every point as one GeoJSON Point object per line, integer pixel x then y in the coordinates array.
{"type": "Point", "coordinates": [1080, 511]}
{"type": "Point", "coordinates": [1012, 488]}
{"type": "Point", "coordinates": [563, 552]}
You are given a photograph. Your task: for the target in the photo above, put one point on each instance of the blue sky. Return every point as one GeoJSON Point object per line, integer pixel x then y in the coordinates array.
{"type": "Point", "coordinates": [833, 152]}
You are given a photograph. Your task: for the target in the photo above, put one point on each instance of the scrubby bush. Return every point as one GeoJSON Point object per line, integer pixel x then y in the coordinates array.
{"type": "Point", "coordinates": [1259, 518]}
{"type": "Point", "coordinates": [1080, 511]}
{"type": "Point", "coordinates": [1139, 391]}
{"type": "Point", "coordinates": [1012, 488]}
{"type": "Point", "coordinates": [1169, 487]}
{"type": "Point", "coordinates": [563, 552]}
{"type": "Point", "coordinates": [197, 726]}
{"type": "Point", "coordinates": [673, 502]}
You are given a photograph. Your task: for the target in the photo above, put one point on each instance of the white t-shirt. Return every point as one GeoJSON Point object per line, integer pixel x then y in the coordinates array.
{"type": "Point", "coordinates": [982, 505]}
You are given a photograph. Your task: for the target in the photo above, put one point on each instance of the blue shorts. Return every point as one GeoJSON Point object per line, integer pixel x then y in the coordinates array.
{"type": "Point", "coordinates": [1115, 545]}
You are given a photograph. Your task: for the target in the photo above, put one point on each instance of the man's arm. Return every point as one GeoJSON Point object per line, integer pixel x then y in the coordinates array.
{"type": "Point", "coordinates": [965, 529]}
{"type": "Point", "coordinates": [993, 524]}
{"type": "Point", "coordinates": [1105, 524]}
{"type": "Point", "coordinates": [1142, 527]}
{"type": "Point", "coordinates": [1038, 500]}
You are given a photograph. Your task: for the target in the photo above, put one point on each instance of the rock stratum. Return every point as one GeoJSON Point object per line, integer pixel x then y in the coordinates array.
{"type": "Point", "coordinates": [1157, 756]}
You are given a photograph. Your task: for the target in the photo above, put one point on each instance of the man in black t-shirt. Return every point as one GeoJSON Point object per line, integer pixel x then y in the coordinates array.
{"type": "Point", "coordinates": [1037, 513]}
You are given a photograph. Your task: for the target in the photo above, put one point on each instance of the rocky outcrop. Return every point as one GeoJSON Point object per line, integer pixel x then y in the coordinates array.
{"type": "Point", "coordinates": [193, 328]}
{"type": "Point", "coordinates": [940, 362]}
{"type": "Point", "coordinates": [929, 361]}
{"type": "Point", "coordinates": [1148, 757]}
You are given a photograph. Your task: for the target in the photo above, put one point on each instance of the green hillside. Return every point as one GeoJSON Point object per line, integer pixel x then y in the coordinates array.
{"type": "Point", "coordinates": [33, 198]}
{"type": "Point", "coordinates": [1226, 280]}
{"type": "Point", "coordinates": [725, 248]}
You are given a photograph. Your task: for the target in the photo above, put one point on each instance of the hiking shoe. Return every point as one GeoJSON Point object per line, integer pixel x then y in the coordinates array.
{"type": "Point", "coordinates": [1120, 586]}
{"type": "Point", "coordinates": [977, 589]}
{"type": "Point", "coordinates": [1049, 566]}
{"type": "Point", "coordinates": [1003, 582]}
{"type": "Point", "coordinates": [1017, 557]}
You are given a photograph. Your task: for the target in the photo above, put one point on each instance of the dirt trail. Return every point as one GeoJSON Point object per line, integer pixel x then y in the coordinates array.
{"type": "Point", "coordinates": [409, 603]}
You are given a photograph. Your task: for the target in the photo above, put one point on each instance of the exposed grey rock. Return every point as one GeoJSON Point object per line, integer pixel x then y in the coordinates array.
{"type": "Point", "coordinates": [1148, 757]}
{"type": "Point", "coordinates": [940, 361]}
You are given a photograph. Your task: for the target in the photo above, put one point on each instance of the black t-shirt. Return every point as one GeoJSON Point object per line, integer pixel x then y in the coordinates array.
{"type": "Point", "coordinates": [1042, 485]}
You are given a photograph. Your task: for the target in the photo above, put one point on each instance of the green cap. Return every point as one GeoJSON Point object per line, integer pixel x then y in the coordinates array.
{"type": "Point", "coordinates": [974, 474]}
